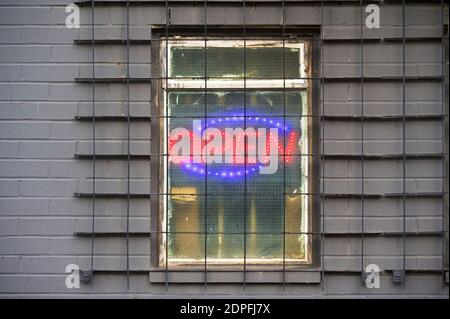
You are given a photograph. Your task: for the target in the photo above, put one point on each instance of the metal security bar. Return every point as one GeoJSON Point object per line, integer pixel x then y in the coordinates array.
{"type": "Point", "coordinates": [166, 198]}
{"type": "Point", "coordinates": [205, 214]}
{"type": "Point", "coordinates": [361, 31]}
{"type": "Point", "coordinates": [245, 145]}
{"type": "Point", "coordinates": [128, 145]}
{"type": "Point", "coordinates": [93, 138]}
{"type": "Point", "coordinates": [401, 279]}
{"type": "Point", "coordinates": [444, 147]}
{"type": "Point", "coordinates": [323, 116]}
{"type": "Point", "coordinates": [283, 35]}
{"type": "Point", "coordinates": [322, 152]}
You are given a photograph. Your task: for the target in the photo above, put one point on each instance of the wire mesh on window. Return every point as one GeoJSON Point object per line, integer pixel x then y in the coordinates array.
{"type": "Point", "coordinates": [228, 62]}
{"type": "Point", "coordinates": [242, 212]}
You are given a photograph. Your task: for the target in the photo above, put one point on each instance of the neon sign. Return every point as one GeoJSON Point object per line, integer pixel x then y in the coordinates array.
{"type": "Point", "coordinates": [233, 146]}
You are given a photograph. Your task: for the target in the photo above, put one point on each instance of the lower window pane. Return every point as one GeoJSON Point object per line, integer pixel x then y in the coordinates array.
{"type": "Point", "coordinates": [237, 185]}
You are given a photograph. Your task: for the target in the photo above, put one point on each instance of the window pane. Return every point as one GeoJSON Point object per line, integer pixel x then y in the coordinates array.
{"type": "Point", "coordinates": [227, 61]}
{"type": "Point", "coordinates": [234, 173]}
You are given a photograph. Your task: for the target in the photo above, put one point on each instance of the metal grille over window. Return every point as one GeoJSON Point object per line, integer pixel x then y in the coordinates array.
{"type": "Point", "coordinates": [277, 152]}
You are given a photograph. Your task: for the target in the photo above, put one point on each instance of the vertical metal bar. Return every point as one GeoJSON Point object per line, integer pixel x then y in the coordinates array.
{"type": "Point", "coordinates": [205, 31]}
{"type": "Point", "coordinates": [322, 153]}
{"type": "Point", "coordinates": [165, 156]}
{"type": "Point", "coordinates": [151, 153]}
{"type": "Point", "coordinates": [443, 150]}
{"type": "Point", "coordinates": [245, 145]}
{"type": "Point", "coordinates": [284, 142]}
{"type": "Point", "coordinates": [93, 138]}
{"type": "Point", "coordinates": [362, 134]}
{"type": "Point", "coordinates": [128, 144]}
{"type": "Point", "coordinates": [404, 139]}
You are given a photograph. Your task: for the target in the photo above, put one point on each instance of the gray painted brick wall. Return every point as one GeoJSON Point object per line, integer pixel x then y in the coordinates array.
{"type": "Point", "coordinates": [45, 150]}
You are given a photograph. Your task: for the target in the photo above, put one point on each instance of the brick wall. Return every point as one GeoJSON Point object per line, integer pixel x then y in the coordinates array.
{"type": "Point", "coordinates": [45, 147]}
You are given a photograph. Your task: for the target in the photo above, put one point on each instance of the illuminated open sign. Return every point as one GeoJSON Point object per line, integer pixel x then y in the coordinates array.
{"type": "Point", "coordinates": [233, 146]}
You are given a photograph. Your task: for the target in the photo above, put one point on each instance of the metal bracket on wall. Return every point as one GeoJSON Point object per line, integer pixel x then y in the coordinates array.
{"type": "Point", "coordinates": [86, 276]}
{"type": "Point", "coordinates": [398, 276]}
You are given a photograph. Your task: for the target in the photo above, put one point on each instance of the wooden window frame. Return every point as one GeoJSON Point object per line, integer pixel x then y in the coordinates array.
{"type": "Point", "coordinates": [157, 131]}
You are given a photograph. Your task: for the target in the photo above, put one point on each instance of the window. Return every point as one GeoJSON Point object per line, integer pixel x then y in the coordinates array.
{"type": "Point", "coordinates": [236, 130]}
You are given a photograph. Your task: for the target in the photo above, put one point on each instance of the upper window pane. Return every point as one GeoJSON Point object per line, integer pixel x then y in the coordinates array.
{"type": "Point", "coordinates": [226, 59]}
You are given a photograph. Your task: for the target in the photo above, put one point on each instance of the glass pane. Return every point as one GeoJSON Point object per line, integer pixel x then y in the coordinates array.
{"type": "Point", "coordinates": [186, 247]}
{"type": "Point", "coordinates": [235, 174]}
{"type": "Point", "coordinates": [227, 60]}
{"type": "Point", "coordinates": [295, 246]}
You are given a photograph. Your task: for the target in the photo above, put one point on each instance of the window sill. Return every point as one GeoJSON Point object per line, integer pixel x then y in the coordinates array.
{"type": "Point", "coordinates": [235, 277]}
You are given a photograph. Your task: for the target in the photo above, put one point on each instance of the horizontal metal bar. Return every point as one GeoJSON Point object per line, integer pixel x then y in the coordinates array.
{"type": "Point", "coordinates": [383, 118]}
{"type": "Point", "coordinates": [112, 80]}
{"type": "Point", "coordinates": [414, 39]}
{"type": "Point", "coordinates": [113, 41]}
{"type": "Point", "coordinates": [218, 2]}
{"type": "Point", "coordinates": [215, 268]}
{"type": "Point", "coordinates": [326, 156]}
{"type": "Point", "coordinates": [239, 2]}
{"type": "Point", "coordinates": [331, 234]}
{"type": "Point", "coordinates": [342, 195]}
{"type": "Point", "coordinates": [383, 78]}
{"type": "Point", "coordinates": [326, 40]}
{"type": "Point", "coordinates": [112, 156]}
{"type": "Point", "coordinates": [383, 157]}
{"type": "Point", "coordinates": [113, 195]}
{"type": "Point", "coordinates": [202, 79]}
{"type": "Point", "coordinates": [113, 118]}
{"type": "Point", "coordinates": [387, 195]}
{"type": "Point", "coordinates": [424, 117]}
{"type": "Point", "coordinates": [112, 234]}
{"type": "Point", "coordinates": [414, 195]}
